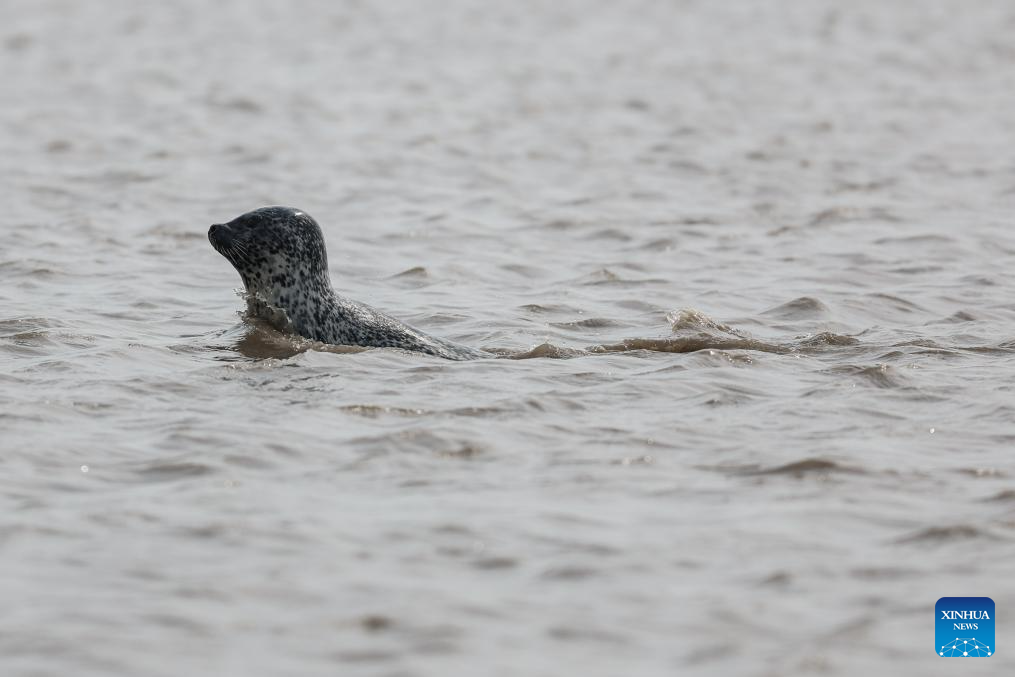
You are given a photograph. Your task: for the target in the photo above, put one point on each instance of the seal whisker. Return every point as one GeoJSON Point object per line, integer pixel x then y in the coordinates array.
{"type": "Point", "coordinates": [241, 247]}
{"type": "Point", "coordinates": [238, 252]}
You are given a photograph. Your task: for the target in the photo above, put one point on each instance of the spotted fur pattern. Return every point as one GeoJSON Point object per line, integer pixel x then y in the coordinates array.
{"type": "Point", "coordinates": [280, 255]}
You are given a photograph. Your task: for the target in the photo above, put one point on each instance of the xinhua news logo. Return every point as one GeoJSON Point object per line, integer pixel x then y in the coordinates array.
{"type": "Point", "coordinates": [964, 627]}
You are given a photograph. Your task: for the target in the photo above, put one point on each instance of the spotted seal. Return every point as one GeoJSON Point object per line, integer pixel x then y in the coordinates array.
{"type": "Point", "coordinates": [279, 253]}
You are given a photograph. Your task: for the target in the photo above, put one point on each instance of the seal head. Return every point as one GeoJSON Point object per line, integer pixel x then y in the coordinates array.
{"type": "Point", "coordinates": [274, 249]}
{"type": "Point", "coordinates": [280, 255]}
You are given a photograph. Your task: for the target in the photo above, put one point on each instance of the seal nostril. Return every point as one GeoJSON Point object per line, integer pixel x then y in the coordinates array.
{"type": "Point", "coordinates": [217, 230]}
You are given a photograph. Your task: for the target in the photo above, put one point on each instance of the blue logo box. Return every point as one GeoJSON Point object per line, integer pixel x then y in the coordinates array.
{"type": "Point", "coordinates": [964, 627]}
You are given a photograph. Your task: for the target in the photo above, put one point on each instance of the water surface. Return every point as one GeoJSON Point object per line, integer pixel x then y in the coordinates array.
{"type": "Point", "coordinates": [758, 257]}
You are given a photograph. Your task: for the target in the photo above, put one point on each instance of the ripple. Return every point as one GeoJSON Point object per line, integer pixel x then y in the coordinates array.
{"type": "Point", "coordinates": [840, 215]}
{"type": "Point", "coordinates": [605, 276]}
{"type": "Point", "coordinates": [543, 308]}
{"type": "Point", "coordinates": [958, 317]}
{"type": "Point", "coordinates": [168, 472]}
{"type": "Point", "coordinates": [803, 308]}
{"type": "Point", "coordinates": [879, 375]}
{"type": "Point", "coordinates": [589, 323]}
{"type": "Point", "coordinates": [14, 326]}
{"type": "Point", "coordinates": [687, 344]}
{"type": "Point", "coordinates": [940, 535]}
{"type": "Point", "coordinates": [827, 338]}
{"type": "Point", "coordinates": [896, 303]}
{"type": "Point", "coordinates": [375, 411]}
{"type": "Point", "coordinates": [376, 622]}
{"type": "Point", "coordinates": [576, 633]}
{"type": "Point", "coordinates": [548, 350]}
{"type": "Point", "coordinates": [807, 466]}
{"type": "Point", "coordinates": [571, 572]}
{"type": "Point", "coordinates": [693, 320]}
{"type": "Point", "coordinates": [492, 563]}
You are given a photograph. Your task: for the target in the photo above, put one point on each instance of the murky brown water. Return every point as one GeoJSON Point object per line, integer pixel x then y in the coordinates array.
{"type": "Point", "coordinates": [784, 229]}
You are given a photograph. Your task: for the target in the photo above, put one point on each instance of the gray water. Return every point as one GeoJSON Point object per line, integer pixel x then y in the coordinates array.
{"type": "Point", "coordinates": [757, 257]}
